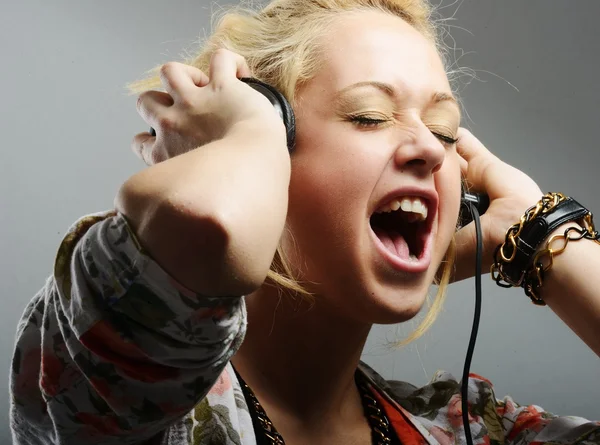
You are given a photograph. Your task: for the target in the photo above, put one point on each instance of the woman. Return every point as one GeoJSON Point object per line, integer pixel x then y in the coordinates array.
{"type": "Point", "coordinates": [137, 338]}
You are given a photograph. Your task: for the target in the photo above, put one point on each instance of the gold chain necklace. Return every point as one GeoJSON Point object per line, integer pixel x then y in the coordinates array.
{"type": "Point", "coordinates": [380, 426]}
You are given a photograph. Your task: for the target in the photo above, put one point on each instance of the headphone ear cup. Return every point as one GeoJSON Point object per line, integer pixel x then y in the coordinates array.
{"type": "Point", "coordinates": [464, 215]}
{"type": "Point", "coordinates": [481, 201]}
{"type": "Point", "coordinates": [281, 104]}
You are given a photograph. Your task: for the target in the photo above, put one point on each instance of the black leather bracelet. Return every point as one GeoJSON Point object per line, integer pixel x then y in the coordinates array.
{"type": "Point", "coordinates": [531, 237]}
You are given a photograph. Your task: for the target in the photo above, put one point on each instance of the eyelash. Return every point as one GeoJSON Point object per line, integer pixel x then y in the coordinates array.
{"type": "Point", "coordinates": [445, 139]}
{"type": "Point", "coordinates": [369, 122]}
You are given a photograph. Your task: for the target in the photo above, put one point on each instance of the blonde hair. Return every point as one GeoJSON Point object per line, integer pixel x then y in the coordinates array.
{"type": "Point", "coordinates": [281, 46]}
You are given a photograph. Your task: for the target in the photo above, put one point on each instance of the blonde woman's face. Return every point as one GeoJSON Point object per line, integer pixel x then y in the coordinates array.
{"type": "Point", "coordinates": [373, 132]}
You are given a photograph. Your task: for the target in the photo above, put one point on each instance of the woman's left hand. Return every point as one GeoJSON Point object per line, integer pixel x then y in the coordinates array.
{"type": "Point", "coordinates": [511, 193]}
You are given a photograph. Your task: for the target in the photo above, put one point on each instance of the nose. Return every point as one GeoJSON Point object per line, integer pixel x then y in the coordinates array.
{"type": "Point", "coordinates": [420, 151]}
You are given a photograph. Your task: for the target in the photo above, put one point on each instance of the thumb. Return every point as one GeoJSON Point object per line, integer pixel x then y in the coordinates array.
{"type": "Point", "coordinates": [143, 146]}
{"type": "Point", "coordinates": [479, 160]}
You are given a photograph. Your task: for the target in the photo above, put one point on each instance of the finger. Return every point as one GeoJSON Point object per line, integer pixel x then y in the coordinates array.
{"type": "Point", "coordinates": [464, 170]}
{"type": "Point", "coordinates": [469, 147]}
{"type": "Point", "coordinates": [153, 104]}
{"type": "Point", "coordinates": [478, 160]}
{"type": "Point", "coordinates": [226, 65]}
{"type": "Point", "coordinates": [180, 79]}
{"type": "Point", "coordinates": [142, 145]}
{"type": "Point", "coordinates": [464, 165]}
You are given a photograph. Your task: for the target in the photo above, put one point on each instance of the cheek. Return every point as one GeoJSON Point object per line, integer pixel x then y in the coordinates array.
{"type": "Point", "coordinates": [321, 195]}
{"type": "Point", "coordinates": [328, 195]}
{"type": "Point", "coordinates": [448, 184]}
{"type": "Point", "coordinates": [313, 219]}
{"type": "Point", "coordinates": [332, 172]}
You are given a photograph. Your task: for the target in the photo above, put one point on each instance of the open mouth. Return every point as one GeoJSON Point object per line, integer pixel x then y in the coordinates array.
{"type": "Point", "coordinates": [403, 228]}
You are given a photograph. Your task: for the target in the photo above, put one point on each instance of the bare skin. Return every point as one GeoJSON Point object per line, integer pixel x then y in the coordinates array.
{"type": "Point", "coordinates": [300, 362]}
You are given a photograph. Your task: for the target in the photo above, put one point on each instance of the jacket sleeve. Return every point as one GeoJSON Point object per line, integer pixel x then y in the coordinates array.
{"type": "Point", "coordinates": [112, 350]}
{"type": "Point", "coordinates": [509, 423]}
{"type": "Point", "coordinates": [436, 410]}
{"type": "Point", "coordinates": [533, 425]}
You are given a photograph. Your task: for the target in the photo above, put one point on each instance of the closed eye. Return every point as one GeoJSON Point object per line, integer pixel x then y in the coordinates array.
{"type": "Point", "coordinates": [373, 122]}
{"type": "Point", "coordinates": [366, 121]}
{"type": "Point", "coordinates": [444, 138]}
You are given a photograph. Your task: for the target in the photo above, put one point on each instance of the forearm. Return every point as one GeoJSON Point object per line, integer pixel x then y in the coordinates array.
{"type": "Point", "coordinates": [464, 264]}
{"type": "Point", "coordinates": [572, 289]}
{"type": "Point", "coordinates": [213, 217]}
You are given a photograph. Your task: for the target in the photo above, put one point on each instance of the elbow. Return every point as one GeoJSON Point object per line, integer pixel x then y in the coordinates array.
{"type": "Point", "coordinates": [195, 244]}
{"type": "Point", "coordinates": [215, 259]}
{"type": "Point", "coordinates": [240, 257]}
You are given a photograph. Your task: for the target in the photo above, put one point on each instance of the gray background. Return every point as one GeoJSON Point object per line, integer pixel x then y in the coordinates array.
{"type": "Point", "coordinates": [66, 125]}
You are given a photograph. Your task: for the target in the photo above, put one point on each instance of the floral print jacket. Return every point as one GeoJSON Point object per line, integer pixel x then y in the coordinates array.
{"type": "Point", "coordinates": [113, 351]}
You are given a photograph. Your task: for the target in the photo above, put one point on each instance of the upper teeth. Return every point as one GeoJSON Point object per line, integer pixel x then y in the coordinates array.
{"type": "Point", "coordinates": [408, 204]}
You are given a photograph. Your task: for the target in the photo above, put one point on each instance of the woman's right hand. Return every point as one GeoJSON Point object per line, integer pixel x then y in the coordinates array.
{"type": "Point", "coordinates": [211, 218]}
{"type": "Point", "coordinates": [197, 109]}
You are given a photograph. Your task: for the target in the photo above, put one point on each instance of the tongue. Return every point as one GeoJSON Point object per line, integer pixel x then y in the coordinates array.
{"type": "Point", "coordinates": [394, 242]}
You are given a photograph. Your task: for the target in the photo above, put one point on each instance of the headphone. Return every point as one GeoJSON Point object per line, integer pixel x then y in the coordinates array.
{"type": "Point", "coordinates": [286, 113]}
{"type": "Point", "coordinates": [472, 205]}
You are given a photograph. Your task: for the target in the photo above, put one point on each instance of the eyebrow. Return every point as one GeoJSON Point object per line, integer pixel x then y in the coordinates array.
{"type": "Point", "coordinates": [384, 87]}
{"type": "Point", "coordinates": [444, 97]}
{"type": "Point", "coordinates": [391, 92]}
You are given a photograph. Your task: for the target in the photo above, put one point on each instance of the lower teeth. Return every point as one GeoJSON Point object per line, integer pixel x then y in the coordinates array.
{"type": "Point", "coordinates": [412, 257]}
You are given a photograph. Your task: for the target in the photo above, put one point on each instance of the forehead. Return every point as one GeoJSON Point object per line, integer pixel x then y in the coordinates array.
{"type": "Point", "coordinates": [376, 46]}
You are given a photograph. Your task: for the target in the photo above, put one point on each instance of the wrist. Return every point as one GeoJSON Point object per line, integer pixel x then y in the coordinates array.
{"type": "Point", "coordinates": [267, 130]}
{"type": "Point", "coordinates": [556, 233]}
{"type": "Point", "coordinates": [542, 234]}
{"type": "Point", "coordinates": [554, 241]}
{"type": "Point", "coordinates": [517, 254]}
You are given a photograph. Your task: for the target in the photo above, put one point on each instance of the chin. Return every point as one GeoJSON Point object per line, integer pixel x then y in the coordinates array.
{"type": "Point", "coordinates": [379, 304]}
{"type": "Point", "coordinates": [394, 307]}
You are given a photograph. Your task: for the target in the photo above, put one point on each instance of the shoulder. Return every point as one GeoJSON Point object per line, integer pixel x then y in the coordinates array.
{"type": "Point", "coordinates": [436, 408]}
{"type": "Point", "coordinates": [438, 393]}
